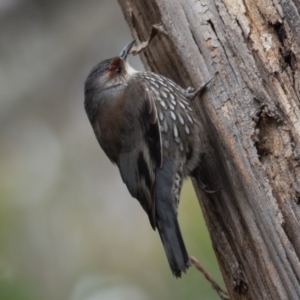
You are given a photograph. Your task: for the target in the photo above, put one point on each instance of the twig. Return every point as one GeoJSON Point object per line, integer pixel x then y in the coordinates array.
{"type": "Point", "coordinates": [222, 294]}
{"type": "Point", "coordinates": [156, 28]}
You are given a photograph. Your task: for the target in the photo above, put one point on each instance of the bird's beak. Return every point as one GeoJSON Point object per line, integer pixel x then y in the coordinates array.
{"type": "Point", "coordinates": [126, 50]}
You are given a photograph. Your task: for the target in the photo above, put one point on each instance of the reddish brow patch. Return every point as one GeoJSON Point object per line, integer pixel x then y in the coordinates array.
{"type": "Point", "coordinates": [115, 64]}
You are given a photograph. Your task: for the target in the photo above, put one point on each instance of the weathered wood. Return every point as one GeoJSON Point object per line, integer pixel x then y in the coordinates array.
{"type": "Point", "coordinates": [251, 119]}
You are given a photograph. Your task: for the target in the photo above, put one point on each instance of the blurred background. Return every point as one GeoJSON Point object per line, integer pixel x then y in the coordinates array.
{"type": "Point", "coordinates": [68, 226]}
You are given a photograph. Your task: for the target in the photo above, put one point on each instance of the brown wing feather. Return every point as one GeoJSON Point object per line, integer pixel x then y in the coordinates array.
{"type": "Point", "coordinates": [143, 154]}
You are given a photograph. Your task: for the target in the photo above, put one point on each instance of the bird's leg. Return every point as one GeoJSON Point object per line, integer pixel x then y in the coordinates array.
{"type": "Point", "coordinates": [198, 175]}
{"type": "Point", "coordinates": [191, 93]}
{"type": "Point", "coordinates": [202, 186]}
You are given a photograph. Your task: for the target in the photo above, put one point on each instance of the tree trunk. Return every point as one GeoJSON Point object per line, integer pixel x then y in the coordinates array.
{"type": "Point", "coordinates": [251, 117]}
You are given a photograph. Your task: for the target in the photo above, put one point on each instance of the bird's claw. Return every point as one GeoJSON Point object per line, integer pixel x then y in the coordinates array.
{"type": "Point", "coordinates": [203, 188]}
{"type": "Point", "coordinates": [191, 93]}
{"type": "Point", "coordinates": [189, 90]}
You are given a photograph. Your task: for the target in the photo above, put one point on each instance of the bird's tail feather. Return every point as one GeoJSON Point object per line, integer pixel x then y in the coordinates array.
{"type": "Point", "coordinates": [173, 243]}
{"type": "Point", "coordinates": [166, 220]}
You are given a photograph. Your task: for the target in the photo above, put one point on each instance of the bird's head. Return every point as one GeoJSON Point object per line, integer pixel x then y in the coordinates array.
{"type": "Point", "coordinates": [111, 72]}
{"type": "Point", "coordinates": [104, 81]}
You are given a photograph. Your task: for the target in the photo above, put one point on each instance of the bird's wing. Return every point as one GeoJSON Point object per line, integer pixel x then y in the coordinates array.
{"type": "Point", "coordinates": [142, 153]}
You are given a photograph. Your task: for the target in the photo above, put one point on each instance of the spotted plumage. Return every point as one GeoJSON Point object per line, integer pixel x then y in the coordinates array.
{"type": "Point", "coordinates": [176, 118]}
{"type": "Point", "coordinates": [145, 124]}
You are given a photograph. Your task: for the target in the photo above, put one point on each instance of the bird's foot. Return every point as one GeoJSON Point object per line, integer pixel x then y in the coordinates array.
{"type": "Point", "coordinates": [203, 188]}
{"type": "Point", "coordinates": [191, 93]}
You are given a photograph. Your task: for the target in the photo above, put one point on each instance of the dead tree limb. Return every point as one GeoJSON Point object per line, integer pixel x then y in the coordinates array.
{"type": "Point", "coordinates": [251, 119]}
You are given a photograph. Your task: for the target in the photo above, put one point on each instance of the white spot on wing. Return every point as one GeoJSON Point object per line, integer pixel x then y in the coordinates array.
{"type": "Point", "coordinates": [175, 131]}
{"type": "Point", "coordinates": [181, 120]}
{"type": "Point", "coordinates": [173, 116]}
{"type": "Point", "coordinates": [185, 102]}
{"type": "Point", "coordinates": [161, 116]}
{"type": "Point", "coordinates": [165, 126]}
{"type": "Point", "coordinates": [187, 129]}
{"type": "Point", "coordinates": [166, 144]}
{"type": "Point", "coordinates": [181, 104]}
{"type": "Point", "coordinates": [154, 83]}
{"type": "Point", "coordinates": [162, 82]}
{"type": "Point", "coordinates": [171, 106]}
{"type": "Point", "coordinates": [189, 118]}
{"type": "Point", "coordinates": [177, 140]}
{"type": "Point", "coordinates": [163, 103]}
{"type": "Point", "coordinates": [164, 94]}
{"type": "Point", "coordinates": [155, 91]}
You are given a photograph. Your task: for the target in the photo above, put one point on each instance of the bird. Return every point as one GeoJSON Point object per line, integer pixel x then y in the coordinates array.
{"type": "Point", "coordinates": [145, 124]}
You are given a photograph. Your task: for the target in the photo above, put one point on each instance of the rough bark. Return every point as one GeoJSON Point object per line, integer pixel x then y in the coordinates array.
{"type": "Point", "coordinates": [251, 117]}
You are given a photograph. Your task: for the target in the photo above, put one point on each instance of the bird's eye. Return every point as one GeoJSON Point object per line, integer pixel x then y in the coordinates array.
{"type": "Point", "coordinates": [118, 70]}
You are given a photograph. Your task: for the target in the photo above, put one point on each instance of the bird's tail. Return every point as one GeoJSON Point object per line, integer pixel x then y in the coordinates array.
{"type": "Point", "coordinates": [166, 220]}
{"type": "Point", "coordinates": [173, 243]}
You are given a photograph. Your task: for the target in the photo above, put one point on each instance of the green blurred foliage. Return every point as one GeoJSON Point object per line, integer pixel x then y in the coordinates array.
{"type": "Point", "coordinates": [11, 290]}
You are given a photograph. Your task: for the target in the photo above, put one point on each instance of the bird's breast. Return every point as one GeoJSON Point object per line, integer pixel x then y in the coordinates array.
{"type": "Point", "coordinates": [110, 130]}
